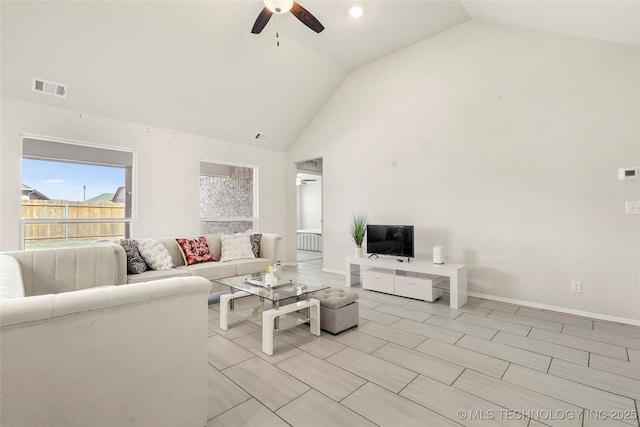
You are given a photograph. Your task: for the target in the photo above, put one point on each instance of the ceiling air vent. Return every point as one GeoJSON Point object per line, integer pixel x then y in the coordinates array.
{"type": "Point", "coordinates": [262, 137]}
{"type": "Point", "coordinates": [50, 88]}
{"type": "Point", "coordinates": [311, 164]}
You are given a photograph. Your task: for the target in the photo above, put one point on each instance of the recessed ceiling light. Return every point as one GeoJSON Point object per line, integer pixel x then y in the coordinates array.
{"type": "Point", "coordinates": [355, 12]}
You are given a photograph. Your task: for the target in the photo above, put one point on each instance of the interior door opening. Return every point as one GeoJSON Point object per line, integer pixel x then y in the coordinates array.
{"type": "Point", "coordinates": [309, 210]}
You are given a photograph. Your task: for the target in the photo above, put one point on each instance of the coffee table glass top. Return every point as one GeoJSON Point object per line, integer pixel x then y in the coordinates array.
{"type": "Point", "coordinates": [281, 290]}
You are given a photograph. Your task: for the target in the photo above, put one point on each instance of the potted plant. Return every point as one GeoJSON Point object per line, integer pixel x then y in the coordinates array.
{"type": "Point", "coordinates": [358, 230]}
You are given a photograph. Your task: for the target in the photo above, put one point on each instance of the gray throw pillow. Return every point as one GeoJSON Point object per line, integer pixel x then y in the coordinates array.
{"type": "Point", "coordinates": [135, 262]}
{"type": "Point", "coordinates": [255, 243]}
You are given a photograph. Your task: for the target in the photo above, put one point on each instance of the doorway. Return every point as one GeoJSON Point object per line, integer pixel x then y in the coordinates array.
{"type": "Point", "coordinates": [309, 210]}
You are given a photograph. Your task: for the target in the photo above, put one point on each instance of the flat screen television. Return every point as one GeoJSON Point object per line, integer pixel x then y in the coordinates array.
{"type": "Point", "coordinates": [392, 240]}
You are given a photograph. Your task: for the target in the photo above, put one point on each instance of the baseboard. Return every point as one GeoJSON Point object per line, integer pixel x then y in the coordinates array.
{"type": "Point", "coordinates": [565, 310]}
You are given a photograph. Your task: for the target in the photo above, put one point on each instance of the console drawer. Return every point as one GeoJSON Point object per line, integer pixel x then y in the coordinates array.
{"type": "Point", "coordinates": [377, 280]}
{"type": "Point", "coordinates": [419, 286]}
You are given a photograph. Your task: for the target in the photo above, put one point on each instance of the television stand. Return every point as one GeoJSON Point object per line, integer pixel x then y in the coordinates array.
{"type": "Point", "coordinates": [457, 274]}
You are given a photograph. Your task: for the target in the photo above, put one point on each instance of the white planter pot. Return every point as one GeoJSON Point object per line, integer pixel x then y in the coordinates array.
{"type": "Point", "coordinates": [359, 251]}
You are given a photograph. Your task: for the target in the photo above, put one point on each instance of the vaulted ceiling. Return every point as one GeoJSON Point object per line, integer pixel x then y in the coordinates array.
{"type": "Point", "coordinates": [194, 66]}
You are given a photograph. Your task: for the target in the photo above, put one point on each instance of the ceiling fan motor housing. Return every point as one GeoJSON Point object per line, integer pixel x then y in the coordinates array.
{"type": "Point", "coordinates": [279, 6]}
{"type": "Point", "coordinates": [283, 6]}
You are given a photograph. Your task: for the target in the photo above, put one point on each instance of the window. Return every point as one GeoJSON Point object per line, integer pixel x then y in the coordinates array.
{"type": "Point", "coordinates": [74, 194]}
{"type": "Point", "coordinates": [227, 195]}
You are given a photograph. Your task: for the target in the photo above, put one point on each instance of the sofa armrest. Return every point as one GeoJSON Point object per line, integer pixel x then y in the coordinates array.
{"type": "Point", "coordinates": [121, 259]}
{"type": "Point", "coordinates": [126, 351]}
{"type": "Point", "coordinates": [11, 285]}
{"type": "Point", "coordinates": [269, 246]}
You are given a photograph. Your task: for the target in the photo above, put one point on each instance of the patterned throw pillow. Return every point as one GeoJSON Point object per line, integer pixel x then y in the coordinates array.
{"type": "Point", "coordinates": [195, 251]}
{"type": "Point", "coordinates": [254, 238]}
{"type": "Point", "coordinates": [155, 254]}
{"type": "Point", "coordinates": [235, 246]}
{"type": "Point", "coordinates": [135, 263]}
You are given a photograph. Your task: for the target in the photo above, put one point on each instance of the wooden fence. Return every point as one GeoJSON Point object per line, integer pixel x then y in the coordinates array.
{"type": "Point", "coordinates": [60, 210]}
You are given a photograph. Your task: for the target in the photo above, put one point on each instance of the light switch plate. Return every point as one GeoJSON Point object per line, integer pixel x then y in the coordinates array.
{"type": "Point", "coordinates": [633, 208]}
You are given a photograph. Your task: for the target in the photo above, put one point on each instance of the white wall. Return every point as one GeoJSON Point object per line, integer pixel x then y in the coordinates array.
{"type": "Point", "coordinates": [166, 180]}
{"type": "Point", "coordinates": [502, 145]}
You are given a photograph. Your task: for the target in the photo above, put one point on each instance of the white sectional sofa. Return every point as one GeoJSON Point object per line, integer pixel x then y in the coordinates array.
{"type": "Point", "coordinates": [269, 247]}
{"type": "Point", "coordinates": [76, 349]}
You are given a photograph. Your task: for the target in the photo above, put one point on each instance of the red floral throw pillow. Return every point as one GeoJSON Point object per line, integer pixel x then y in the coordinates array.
{"type": "Point", "coordinates": [195, 251]}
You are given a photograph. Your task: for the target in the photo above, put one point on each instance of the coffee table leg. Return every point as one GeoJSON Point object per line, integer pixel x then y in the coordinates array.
{"type": "Point", "coordinates": [277, 319]}
{"type": "Point", "coordinates": [268, 318]}
{"type": "Point", "coordinates": [306, 310]}
{"type": "Point", "coordinates": [225, 302]}
{"type": "Point", "coordinates": [314, 317]}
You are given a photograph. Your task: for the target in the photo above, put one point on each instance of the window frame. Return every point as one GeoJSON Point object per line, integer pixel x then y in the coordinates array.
{"type": "Point", "coordinates": [255, 218]}
{"type": "Point", "coordinates": [130, 182]}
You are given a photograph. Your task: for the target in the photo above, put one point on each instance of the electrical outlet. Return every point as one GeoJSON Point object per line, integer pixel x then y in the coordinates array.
{"type": "Point", "coordinates": [576, 286]}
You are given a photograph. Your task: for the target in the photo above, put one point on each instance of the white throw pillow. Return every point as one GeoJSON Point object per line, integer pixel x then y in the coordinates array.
{"type": "Point", "coordinates": [155, 254]}
{"type": "Point", "coordinates": [235, 246]}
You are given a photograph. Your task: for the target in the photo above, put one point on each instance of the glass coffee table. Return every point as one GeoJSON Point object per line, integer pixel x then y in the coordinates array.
{"type": "Point", "coordinates": [286, 295]}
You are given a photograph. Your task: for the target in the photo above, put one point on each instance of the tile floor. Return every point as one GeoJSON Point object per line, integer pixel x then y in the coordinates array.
{"type": "Point", "coordinates": [412, 363]}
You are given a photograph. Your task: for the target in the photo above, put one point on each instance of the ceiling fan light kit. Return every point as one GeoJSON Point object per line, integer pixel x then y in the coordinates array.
{"type": "Point", "coordinates": [278, 6]}
{"type": "Point", "coordinates": [283, 6]}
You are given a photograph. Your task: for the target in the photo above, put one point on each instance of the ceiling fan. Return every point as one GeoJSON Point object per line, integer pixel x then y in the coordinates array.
{"type": "Point", "coordinates": [283, 6]}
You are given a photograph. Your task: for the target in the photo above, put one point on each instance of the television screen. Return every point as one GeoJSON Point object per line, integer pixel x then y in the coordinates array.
{"type": "Point", "coordinates": [394, 240]}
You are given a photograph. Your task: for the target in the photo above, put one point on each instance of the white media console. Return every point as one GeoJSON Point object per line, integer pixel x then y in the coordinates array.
{"type": "Point", "coordinates": [394, 275]}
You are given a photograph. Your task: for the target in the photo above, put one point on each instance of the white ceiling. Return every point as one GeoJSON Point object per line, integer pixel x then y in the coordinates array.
{"type": "Point", "coordinates": [609, 20]}
{"type": "Point", "coordinates": [194, 66]}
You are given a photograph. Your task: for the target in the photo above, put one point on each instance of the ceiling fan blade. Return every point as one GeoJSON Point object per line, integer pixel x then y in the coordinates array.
{"type": "Point", "coordinates": [306, 17]}
{"type": "Point", "coordinates": [261, 21]}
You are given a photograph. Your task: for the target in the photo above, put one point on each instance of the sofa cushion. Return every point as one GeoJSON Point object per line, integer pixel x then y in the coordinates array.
{"type": "Point", "coordinates": [155, 254]}
{"type": "Point", "coordinates": [135, 262]}
{"type": "Point", "coordinates": [210, 270]}
{"type": "Point", "coordinates": [250, 266]}
{"type": "Point", "coordinates": [156, 275]}
{"type": "Point", "coordinates": [236, 246]}
{"type": "Point", "coordinates": [195, 251]}
{"type": "Point", "coordinates": [10, 278]}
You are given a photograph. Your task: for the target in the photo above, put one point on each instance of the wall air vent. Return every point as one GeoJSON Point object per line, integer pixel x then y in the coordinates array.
{"type": "Point", "coordinates": [50, 88]}
{"type": "Point", "coordinates": [262, 137]}
{"type": "Point", "coordinates": [313, 164]}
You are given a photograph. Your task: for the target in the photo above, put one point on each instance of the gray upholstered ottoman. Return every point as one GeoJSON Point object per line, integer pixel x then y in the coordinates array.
{"type": "Point", "coordinates": [338, 309]}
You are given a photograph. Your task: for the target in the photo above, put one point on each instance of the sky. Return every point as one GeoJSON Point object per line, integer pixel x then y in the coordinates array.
{"type": "Point", "coordinates": [65, 181]}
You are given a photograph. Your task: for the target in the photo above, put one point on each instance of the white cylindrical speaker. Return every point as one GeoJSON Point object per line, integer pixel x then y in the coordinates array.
{"type": "Point", "coordinates": [438, 255]}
